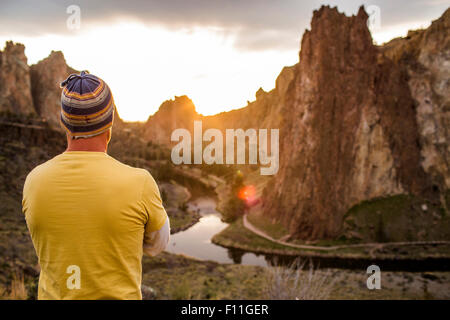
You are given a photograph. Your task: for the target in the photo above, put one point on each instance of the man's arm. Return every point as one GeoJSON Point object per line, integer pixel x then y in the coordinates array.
{"type": "Point", "coordinates": [157, 228]}
{"type": "Point", "coordinates": [156, 241]}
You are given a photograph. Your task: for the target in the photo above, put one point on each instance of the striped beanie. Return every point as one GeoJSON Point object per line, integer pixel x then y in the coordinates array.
{"type": "Point", "coordinates": [87, 105]}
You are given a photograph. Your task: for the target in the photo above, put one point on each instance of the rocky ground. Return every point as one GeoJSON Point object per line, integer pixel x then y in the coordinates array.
{"type": "Point", "coordinates": [178, 277]}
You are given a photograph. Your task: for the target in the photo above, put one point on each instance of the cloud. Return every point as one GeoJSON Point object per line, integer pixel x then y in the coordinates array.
{"type": "Point", "coordinates": [257, 24]}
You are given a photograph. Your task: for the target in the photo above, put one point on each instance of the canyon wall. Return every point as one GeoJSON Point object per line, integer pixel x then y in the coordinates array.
{"type": "Point", "coordinates": [353, 123]}
{"type": "Point", "coordinates": [15, 83]}
{"type": "Point", "coordinates": [46, 75]}
{"type": "Point", "coordinates": [425, 55]}
{"type": "Point", "coordinates": [172, 114]}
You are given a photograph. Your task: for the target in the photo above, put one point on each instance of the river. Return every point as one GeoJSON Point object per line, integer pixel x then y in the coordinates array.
{"type": "Point", "coordinates": [196, 241]}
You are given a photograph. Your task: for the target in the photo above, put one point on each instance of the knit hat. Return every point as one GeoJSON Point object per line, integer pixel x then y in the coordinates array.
{"type": "Point", "coordinates": [87, 105]}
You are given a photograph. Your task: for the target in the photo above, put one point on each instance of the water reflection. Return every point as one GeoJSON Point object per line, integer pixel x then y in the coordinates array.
{"type": "Point", "coordinates": [196, 241]}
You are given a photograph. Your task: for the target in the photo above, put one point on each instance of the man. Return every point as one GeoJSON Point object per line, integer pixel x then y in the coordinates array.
{"type": "Point", "coordinates": [90, 216]}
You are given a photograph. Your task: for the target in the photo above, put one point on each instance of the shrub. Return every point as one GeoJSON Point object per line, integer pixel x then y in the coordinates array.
{"type": "Point", "coordinates": [296, 283]}
{"type": "Point", "coordinates": [234, 208]}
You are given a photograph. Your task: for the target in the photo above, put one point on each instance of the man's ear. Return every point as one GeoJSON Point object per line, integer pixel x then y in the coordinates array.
{"type": "Point", "coordinates": [108, 135]}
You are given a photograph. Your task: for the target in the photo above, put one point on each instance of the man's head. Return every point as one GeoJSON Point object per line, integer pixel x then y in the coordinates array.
{"type": "Point", "coordinates": [87, 109]}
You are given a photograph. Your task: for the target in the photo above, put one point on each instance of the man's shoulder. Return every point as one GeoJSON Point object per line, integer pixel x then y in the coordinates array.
{"type": "Point", "coordinates": [140, 174]}
{"type": "Point", "coordinates": [43, 167]}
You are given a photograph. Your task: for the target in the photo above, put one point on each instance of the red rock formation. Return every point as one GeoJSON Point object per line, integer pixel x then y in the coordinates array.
{"type": "Point", "coordinates": [349, 129]}
{"type": "Point", "coordinates": [171, 115]}
{"type": "Point", "coordinates": [15, 85]}
{"type": "Point", "coordinates": [46, 76]}
{"type": "Point", "coordinates": [425, 54]}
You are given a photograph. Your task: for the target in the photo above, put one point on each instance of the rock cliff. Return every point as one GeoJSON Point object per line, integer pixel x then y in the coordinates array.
{"type": "Point", "coordinates": [15, 84]}
{"type": "Point", "coordinates": [46, 75]}
{"type": "Point", "coordinates": [351, 120]}
{"type": "Point", "coordinates": [425, 55]}
{"type": "Point", "coordinates": [172, 114]}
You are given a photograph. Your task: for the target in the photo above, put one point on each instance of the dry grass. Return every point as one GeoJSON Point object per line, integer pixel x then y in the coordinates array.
{"type": "Point", "coordinates": [297, 283]}
{"type": "Point", "coordinates": [18, 290]}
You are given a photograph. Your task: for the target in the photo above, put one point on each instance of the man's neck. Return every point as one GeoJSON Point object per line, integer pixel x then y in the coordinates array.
{"type": "Point", "coordinates": [91, 144]}
{"type": "Point", "coordinates": [91, 149]}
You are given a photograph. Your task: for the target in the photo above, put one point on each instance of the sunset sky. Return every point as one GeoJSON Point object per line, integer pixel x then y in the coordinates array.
{"type": "Point", "coordinates": [218, 52]}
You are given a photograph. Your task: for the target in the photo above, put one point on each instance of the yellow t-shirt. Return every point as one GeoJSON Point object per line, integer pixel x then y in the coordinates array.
{"type": "Point", "coordinates": [87, 214]}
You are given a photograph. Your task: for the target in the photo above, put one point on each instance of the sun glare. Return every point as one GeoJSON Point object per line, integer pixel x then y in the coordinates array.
{"type": "Point", "coordinates": [145, 66]}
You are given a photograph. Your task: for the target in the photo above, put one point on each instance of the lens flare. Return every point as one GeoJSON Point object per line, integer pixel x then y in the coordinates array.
{"type": "Point", "coordinates": [247, 194]}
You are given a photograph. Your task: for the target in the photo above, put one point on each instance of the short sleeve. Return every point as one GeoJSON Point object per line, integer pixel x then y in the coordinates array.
{"type": "Point", "coordinates": [153, 206]}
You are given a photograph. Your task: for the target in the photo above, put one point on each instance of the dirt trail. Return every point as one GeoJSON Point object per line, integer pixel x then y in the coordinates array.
{"type": "Point", "coordinates": [261, 233]}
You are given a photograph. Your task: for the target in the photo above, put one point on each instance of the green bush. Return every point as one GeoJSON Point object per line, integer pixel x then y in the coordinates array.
{"type": "Point", "coordinates": [234, 209]}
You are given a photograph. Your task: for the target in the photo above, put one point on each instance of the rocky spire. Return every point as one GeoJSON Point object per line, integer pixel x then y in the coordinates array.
{"type": "Point", "coordinates": [15, 84]}
{"type": "Point", "coordinates": [350, 133]}
{"type": "Point", "coordinates": [46, 76]}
